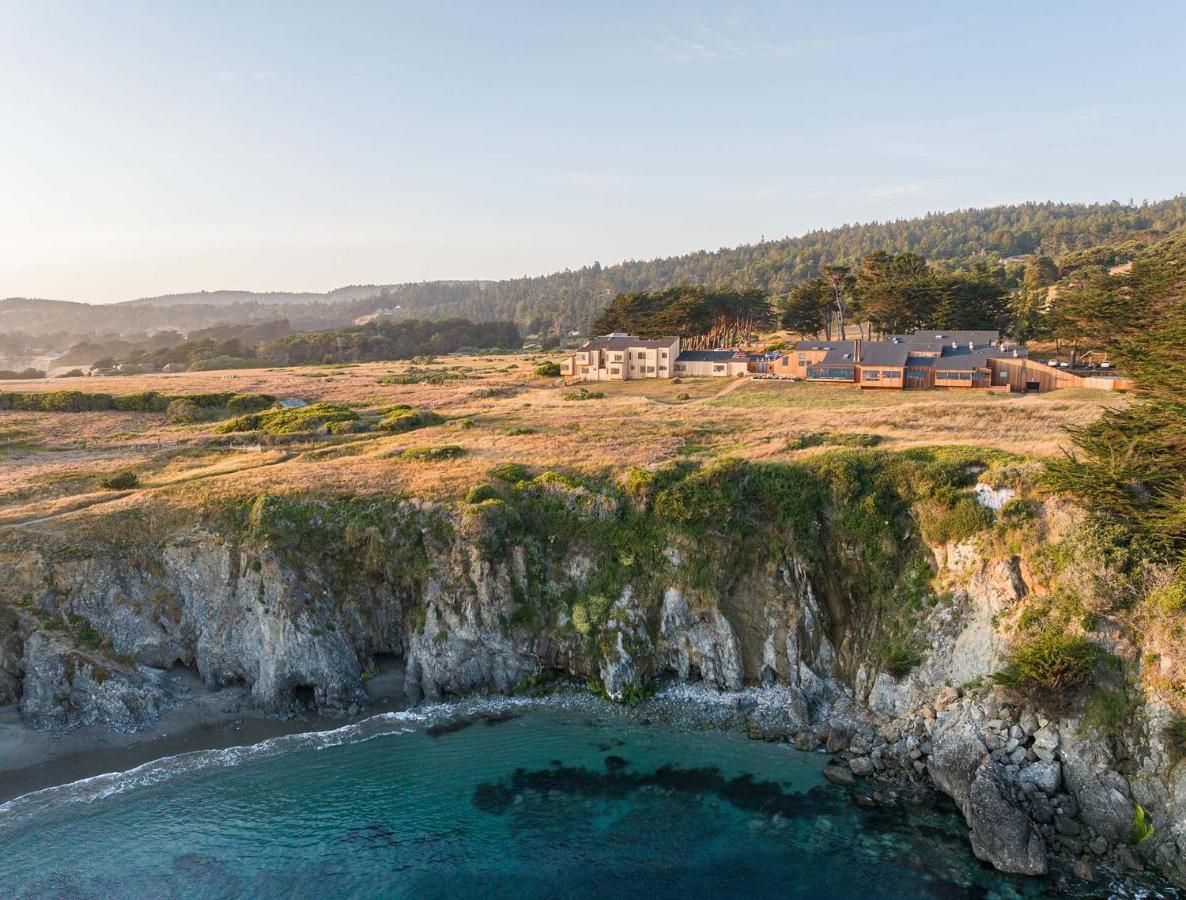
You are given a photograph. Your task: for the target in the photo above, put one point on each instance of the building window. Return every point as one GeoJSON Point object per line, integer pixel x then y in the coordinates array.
{"type": "Point", "coordinates": [830, 373]}
{"type": "Point", "coordinates": [616, 357]}
{"type": "Point", "coordinates": [802, 360]}
{"type": "Point", "coordinates": [718, 368]}
{"type": "Point", "coordinates": [663, 354]}
{"type": "Point", "coordinates": [870, 375]}
{"type": "Point", "coordinates": [615, 371]}
{"type": "Point", "coordinates": [891, 373]}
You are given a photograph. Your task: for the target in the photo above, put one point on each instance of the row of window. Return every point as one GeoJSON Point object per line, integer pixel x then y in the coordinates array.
{"type": "Point", "coordinates": [879, 374]}
{"type": "Point", "coordinates": [953, 376]}
{"type": "Point", "coordinates": [831, 373]}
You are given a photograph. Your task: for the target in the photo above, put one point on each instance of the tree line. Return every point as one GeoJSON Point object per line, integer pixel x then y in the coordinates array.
{"type": "Point", "coordinates": [552, 305]}
{"type": "Point", "coordinates": [386, 339]}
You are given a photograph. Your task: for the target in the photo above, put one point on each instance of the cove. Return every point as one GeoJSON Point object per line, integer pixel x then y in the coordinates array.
{"type": "Point", "coordinates": [567, 797]}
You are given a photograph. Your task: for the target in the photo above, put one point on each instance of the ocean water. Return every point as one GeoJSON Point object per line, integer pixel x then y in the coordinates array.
{"type": "Point", "coordinates": [562, 798]}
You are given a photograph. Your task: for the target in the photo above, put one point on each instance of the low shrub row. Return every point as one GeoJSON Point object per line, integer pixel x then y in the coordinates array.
{"type": "Point", "coordinates": [144, 401]}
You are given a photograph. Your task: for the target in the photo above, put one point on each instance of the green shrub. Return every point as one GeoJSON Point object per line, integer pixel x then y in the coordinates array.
{"type": "Point", "coordinates": [516, 430]}
{"type": "Point", "coordinates": [548, 370]}
{"type": "Point", "coordinates": [1142, 829]}
{"type": "Point", "coordinates": [584, 394]}
{"type": "Point", "coordinates": [401, 420]}
{"type": "Point", "coordinates": [291, 421]}
{"type": "Point", "coordinates": [420, 376]}
{"type": "Point", "coordinates": [1170, 598]}
{"type": "Point", "coordinates": [479, 493]}
{"type": "Point", "coordinates": [241, 404]}
{"type": "Point", "coordinates": [510, 472]}
{"type": "Point", "coordinates": [119, 481]}
{"type": "Point", "coordinates": [185, 412]}
{"type": "Point", "coordinates": [681, 397]}
{"type": "Point", "coordinates": [964, 517]}
{"type": "Point", "coordinates": [433, 454]}
{"type": "Point", "coordinates": [900, 659]}
{"type": "Point", "coordinates": [1049, 662]}
{"type": "Point", "coordinates": [145, 401]}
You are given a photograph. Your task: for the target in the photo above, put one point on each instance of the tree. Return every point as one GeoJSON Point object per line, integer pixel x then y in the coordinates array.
{"type": "Point", "coordinates": [805, 310]}
{"type": "Point", "coordinates": [1040, 272]}
{"type": "Point", "coordinates": [841, 286]}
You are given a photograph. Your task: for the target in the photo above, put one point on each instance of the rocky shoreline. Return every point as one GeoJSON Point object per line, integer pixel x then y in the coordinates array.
{"type": "Point", "coordinates": [463, 603]}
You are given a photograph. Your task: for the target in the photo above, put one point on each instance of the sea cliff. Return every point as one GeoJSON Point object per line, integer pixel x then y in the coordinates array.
{"type": "Point", "coordinates": [877, 595]}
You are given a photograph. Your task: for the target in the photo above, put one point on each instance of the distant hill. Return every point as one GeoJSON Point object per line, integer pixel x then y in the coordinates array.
{"type": "Point", "coordinates": [571, 299]}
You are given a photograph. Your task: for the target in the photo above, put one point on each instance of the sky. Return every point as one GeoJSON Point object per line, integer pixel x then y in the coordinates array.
{"type": "Point", "coordinates": [157, 147]}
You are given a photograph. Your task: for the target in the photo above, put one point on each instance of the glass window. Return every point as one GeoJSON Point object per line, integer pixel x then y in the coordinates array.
{"type": "Point", "coordinates": [891, 373]}
{"type": "Point", "coordinates": [830, 373]}
{"type": "Point", "coordinates": [870, 375]}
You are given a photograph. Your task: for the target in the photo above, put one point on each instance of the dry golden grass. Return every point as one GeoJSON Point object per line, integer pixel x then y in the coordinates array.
{"type": "Point", "coordinates": [498, 411]}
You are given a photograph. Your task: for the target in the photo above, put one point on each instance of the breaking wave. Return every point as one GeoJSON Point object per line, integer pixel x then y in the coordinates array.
{"type": "Point", "coordinates": [99, 787]}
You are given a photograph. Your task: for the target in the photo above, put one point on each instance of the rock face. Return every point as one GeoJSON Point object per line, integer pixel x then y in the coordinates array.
{"type": "Point", "coordinates": [703, 646]}
{"type": "Point", "coordinates": [64, 686]}
{"type": "Point", "coordinates": [85, 638]}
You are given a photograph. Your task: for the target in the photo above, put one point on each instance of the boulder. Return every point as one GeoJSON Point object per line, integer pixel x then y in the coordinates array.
{"type": "Point", "coordinates": [1105, 804]}
{"type": "Point", "coordinates": [1001, 833]}
{"type": "Point", "coordinates": [1040, 776]}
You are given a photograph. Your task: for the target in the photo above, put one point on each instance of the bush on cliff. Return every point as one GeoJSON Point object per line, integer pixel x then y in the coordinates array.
{"type": "Point", "coordinates": [1050, 663]}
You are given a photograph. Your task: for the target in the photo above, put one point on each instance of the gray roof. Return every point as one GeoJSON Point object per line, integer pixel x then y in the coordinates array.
{"type": "Point", "coordinates": [839, 355]}
{"type": "Point", "coordinates": [843, 346]}
{"type": "Point", "coordinates": [626, 342]}
{"type": "Point", "coordinates": [936, 338]}
{"type": "Point", "coordinates": [710, 356]}
{"type": "Point", "coordinates": [961, 359]}
{"type": "Point", "coordinates": [883, 353]}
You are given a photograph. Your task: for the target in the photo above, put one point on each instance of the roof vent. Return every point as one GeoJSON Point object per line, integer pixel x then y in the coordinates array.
{"type": "Point", "coordinates": [848, 356]}
{"type": "Point", "coordinates": [954, 344]}
{"type": "Point", "coordinates": [971, 345]}
{"type": "Point", "coordinates": [1015, 354]}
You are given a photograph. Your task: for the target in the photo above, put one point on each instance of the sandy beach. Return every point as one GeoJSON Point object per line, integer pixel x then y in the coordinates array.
{"type": "Point", "coordinates": [206, 720]}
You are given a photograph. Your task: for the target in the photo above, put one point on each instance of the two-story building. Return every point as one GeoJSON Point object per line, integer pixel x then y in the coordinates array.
{"type": "Point", "coordinates": [622, 357]}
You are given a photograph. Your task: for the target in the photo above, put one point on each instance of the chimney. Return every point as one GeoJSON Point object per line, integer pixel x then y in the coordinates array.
{"type": "Point", "coordinates": [1015, 354]}
{"type": "Point", "coordinates": [856, 351]}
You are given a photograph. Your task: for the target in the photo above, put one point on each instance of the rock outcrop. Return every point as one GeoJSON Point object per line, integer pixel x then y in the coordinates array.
{"type": "Point", "coordinates": [86, 636]}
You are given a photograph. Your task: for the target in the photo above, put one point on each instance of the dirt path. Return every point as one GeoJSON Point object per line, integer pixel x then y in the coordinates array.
{"type": "Point", "coordinates": [92, 501]}
{"type": "Point", "coordinates": [733, 385]}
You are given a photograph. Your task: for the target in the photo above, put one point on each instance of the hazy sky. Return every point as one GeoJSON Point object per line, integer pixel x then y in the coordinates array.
{"type": "Point", "coordinates": [154, 147]}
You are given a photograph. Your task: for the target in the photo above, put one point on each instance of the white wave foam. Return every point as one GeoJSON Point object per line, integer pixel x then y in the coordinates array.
{"type": "Point", "coordinates": [99, 787]}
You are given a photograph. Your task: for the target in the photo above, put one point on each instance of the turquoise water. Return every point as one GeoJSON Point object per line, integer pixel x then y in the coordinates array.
{"type": "Point", "coordinates": [569, 798]}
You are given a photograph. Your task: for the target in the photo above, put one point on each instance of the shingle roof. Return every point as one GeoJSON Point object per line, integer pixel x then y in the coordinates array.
{"type": "Point", "coordinates": [840, 354]}
{"type": "Point", "coordinates": [883, 353]}
{"type": "Point", "coordinates": [931, 337]}
{"type": "Point", "coordinates": [626, 342]}
{"type": "Point", "coordinates": [843, 346]}
{"type": "Point", "coordinates": [961, 359]}
{"type": "Point", "coordinates": [710, 356]}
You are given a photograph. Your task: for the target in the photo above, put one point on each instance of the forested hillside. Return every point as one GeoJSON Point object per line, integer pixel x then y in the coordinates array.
{"type": "Point", "coordinates": [949, 241]}
{"type": "Point", "coordinates": [571, 300]}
